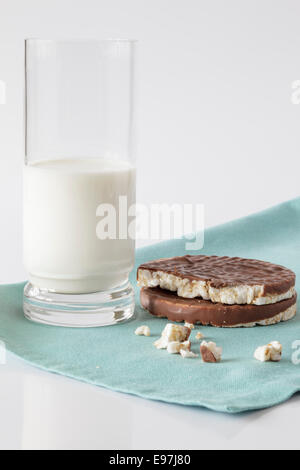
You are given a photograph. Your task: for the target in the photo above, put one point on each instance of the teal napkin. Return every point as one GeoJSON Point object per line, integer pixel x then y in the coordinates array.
{"type": "Point", "coordinates": [115, 358]}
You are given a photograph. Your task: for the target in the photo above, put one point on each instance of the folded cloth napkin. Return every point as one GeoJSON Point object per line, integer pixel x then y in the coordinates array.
{"type": "Point", "coordinates": [115, 358]}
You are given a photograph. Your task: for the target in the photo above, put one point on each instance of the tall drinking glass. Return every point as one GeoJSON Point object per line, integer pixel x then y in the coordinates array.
{"type": "Point", "coordinates": [79, 181]}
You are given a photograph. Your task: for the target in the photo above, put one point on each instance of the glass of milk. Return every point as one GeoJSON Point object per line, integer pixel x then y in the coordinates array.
{"type": "Point", "coordinates": [79, 181]}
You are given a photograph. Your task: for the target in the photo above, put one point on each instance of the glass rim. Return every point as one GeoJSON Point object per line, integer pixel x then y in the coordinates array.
{"type": "Point", "coordinates": [81, 40]}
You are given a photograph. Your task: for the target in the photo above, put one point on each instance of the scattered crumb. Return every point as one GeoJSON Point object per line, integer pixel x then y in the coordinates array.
{"type": "Point", "coordinates": [210, 352]}
{"type": "Point", "coordinates": [276, 351]}
{"type": "Point", "coordinates": [172, 333]}
{"type": "Point", "coordinates": [199, 335]}
{"type": "Point", "coordinates": [191, 326]}
{"type": "Point", "coordinates": [161, 343]}
{"type": "Point", "coordinates": [143, 330]}
{"type": "Point", "coordinates": [174, 347]}
{"type": "Point", "coordinates": [270, 352]}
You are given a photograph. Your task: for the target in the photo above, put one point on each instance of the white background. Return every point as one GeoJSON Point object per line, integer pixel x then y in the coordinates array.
{"type": "Point", "coordinates": [216, 126]}
{"type": "Point", "coordinates": [215, 119]}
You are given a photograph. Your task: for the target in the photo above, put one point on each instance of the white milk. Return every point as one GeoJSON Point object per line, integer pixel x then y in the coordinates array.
{"type": "Point", "coordinates": [61, 249]}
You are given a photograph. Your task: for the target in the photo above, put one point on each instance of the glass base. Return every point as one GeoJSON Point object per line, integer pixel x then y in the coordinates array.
{"type": "Point", "coordinates": [79, 310]}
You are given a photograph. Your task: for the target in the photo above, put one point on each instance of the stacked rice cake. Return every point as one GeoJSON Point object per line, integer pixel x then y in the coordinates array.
{"type": "Point", "coordinates": [218, 291]}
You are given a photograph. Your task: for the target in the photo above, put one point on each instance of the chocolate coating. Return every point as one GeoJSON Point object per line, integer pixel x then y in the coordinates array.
{"type": "Point", "coordinates": [222, 271]}
{"type": "Point", "coordinates": [166, 304]}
